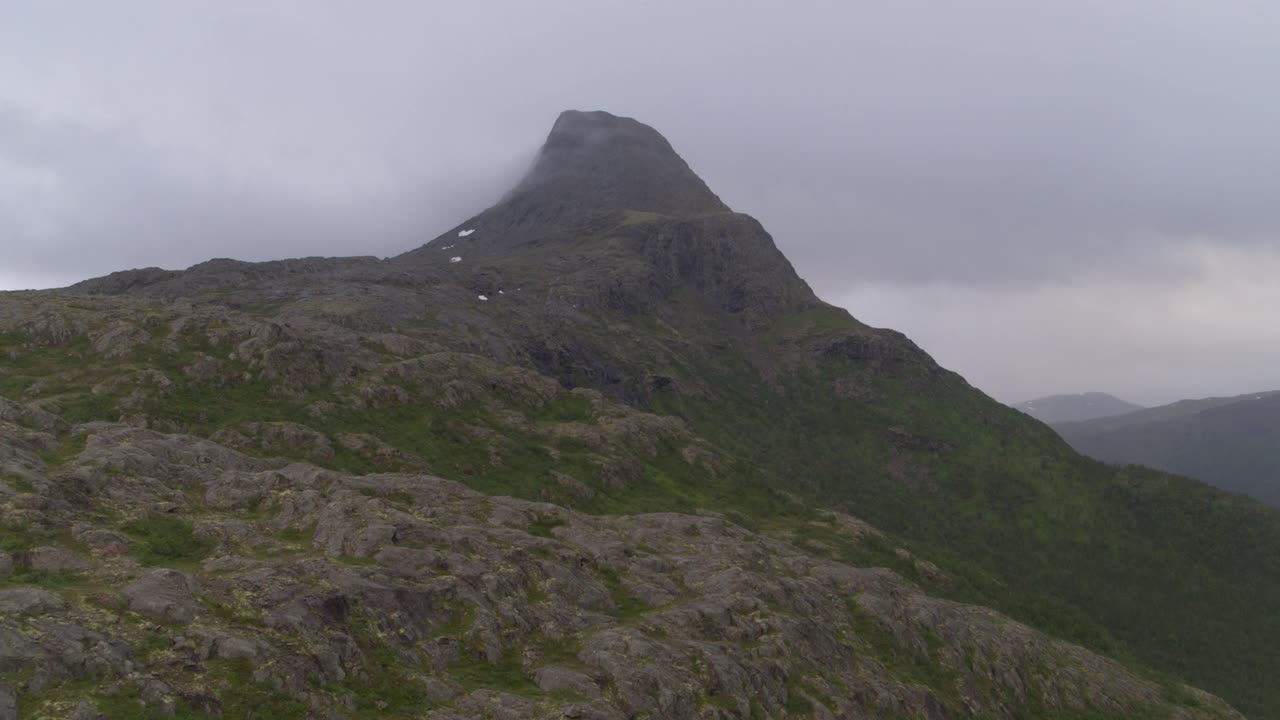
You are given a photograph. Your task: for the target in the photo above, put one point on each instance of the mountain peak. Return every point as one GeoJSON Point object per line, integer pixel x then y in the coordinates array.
{"type": "Point", "coordinates": [599, 161]}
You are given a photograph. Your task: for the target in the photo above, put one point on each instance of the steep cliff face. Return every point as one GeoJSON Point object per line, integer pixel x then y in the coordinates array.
{"type": "Point", "coordinates": [607, 339]}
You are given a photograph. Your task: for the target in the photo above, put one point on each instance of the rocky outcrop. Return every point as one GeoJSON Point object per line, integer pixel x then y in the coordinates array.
{"type": "Point", "coordinates": [407, 593]}
{"type": "Point", "coordinates": [54, 559]}
{"type": "Point", "coordinates": [120, 339]}
{"type": "Point", "coordinates": [27, 601]}
{"type": "Point", "coordinates": [164, 596]}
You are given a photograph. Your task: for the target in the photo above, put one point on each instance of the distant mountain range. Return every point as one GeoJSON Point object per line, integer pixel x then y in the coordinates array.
{"type": "Point", "coordinates": [1230, 442]}
{"type": "Point", "coordinates": [1075, 408]}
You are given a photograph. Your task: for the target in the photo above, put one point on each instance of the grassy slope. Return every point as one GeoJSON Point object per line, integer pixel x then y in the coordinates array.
{"type": "Point", "coordinates": [1146, 567]}
{"type": "Point", "coordinates": [1135, 563]}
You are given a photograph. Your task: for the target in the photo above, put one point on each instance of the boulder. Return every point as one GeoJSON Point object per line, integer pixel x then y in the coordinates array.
{"type": "Point", "coordinates": [560, 679]}
{"type": "Point", "coordinates": [55, 559]}
{"type": "Point", "coordinates": [28, 601]}
{"type": "Point", "coordinates": [164, 595]}
{"type": "Point", "coordinates": [120, 339]}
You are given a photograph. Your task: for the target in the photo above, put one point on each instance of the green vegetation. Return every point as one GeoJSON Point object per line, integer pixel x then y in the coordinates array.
{"type": "Point", "coordinates": [69, 446]}
{"type": "Point", "coordinates": [356, 561]}
{"type": "Point", "coordinates": [153, 644]}
{"type": "Point", "coordinates": [18, 538]}
{"type": "Point", "coordinates": [907, 666]}
{"type": "Point", "coordinates": [294, 535]}
{"type": "Point", "coordinates": [543, 526]}
{"type": "Point", "coordinates": [1017, 521]}
{"type": "Point", "coordinates": [383, 687]}
{"type": "Point", "coordinates": [565, 407]}
{"type": "Point", "coordinates": [251, 700]}
{"type": "Point", "coordinates": [625, 605]}
{"type": "Point", "coordinates": [48, 579]}
{"type": "Point", "coordinates": [1154, 570]}
{"type": "Point", "coordinates": [562, 652]}
{"type": "Point", "coordinates": [797, 703]}
{"type": "Point", "coordinates": [1148, 568]}
{"type": "Point", "coordinates": [129, 705]}
{"type": "Point", "coordinates": [17, 484]}
{"type": "Point", "coordinates": [463, 619]}
{"type": "Point", "coordinates": [475, 672]}
{"type": "Point", "coordinates": [167, 540]}
{"type": "Point", "coordinates": [229, 613]}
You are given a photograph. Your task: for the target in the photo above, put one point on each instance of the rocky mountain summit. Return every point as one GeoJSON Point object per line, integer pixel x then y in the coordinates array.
{"type": "Point", "coordinates": [596, 452]}
{"type": "Point", "coordinates": [596, 161]}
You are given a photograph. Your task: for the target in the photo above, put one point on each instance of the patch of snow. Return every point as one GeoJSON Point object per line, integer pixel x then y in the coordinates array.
{"type": "Point", "coordinates": [447, 247]}
{"type": "Point", "coordinates": [464, 233]}
{"type": "Point", "coordinates": [482, 297]}
{"type": "Point", "coordinates": [501, 293]}
{"type": "Point", "coordinates": [455, 258]}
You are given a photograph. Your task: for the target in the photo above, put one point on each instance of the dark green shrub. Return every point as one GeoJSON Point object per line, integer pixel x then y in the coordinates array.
{"type": "Point", "coordinates": [167, 540]}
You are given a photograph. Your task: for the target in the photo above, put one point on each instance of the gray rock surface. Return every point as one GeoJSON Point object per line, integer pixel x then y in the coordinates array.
{"type": "Point", "coordinates": [163, 595]}
{"type": "Point", "coordinates": [55, 559]}
{"type": "Point", "coordinates": [8, 702]}
{"type": "Point", "coordinates": [28, 601]}
{"type": "Point", "coordinates": [422, 593]}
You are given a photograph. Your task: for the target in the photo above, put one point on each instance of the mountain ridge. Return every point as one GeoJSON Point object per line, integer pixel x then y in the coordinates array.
{"type": "Point", "coordinates": [612, 361]}
{"type": "Point", "coordinates": [1228, 442]}
{"type": "Point", "coordinates": [1072, 408]}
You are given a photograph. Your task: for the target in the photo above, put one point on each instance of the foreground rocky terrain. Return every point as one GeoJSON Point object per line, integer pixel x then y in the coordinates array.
{"type": "Point", "coordinates": [223, 494]}
{"type": "Point", "coordinates": [150, 574]}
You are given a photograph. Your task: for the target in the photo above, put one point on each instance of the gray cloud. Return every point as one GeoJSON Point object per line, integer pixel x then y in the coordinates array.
{"type": "Point", "coordinates": [80, 202]}
{"type": "Point", "coordinates": [1001, 156]}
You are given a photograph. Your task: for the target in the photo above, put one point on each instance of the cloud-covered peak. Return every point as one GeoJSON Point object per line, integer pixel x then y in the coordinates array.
{"type": "Point", "coordinates": [600, 161]}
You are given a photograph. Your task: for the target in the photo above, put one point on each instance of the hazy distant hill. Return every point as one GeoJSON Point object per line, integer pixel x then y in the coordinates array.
{"type": "Point", "coordinates": [1232, 442]}
{"type": "Point", "coordinates": [1074, 408]}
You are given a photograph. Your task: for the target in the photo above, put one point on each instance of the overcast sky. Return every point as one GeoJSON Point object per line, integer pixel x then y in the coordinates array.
{"type": "Point", "coordinates": [1048, 196]}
